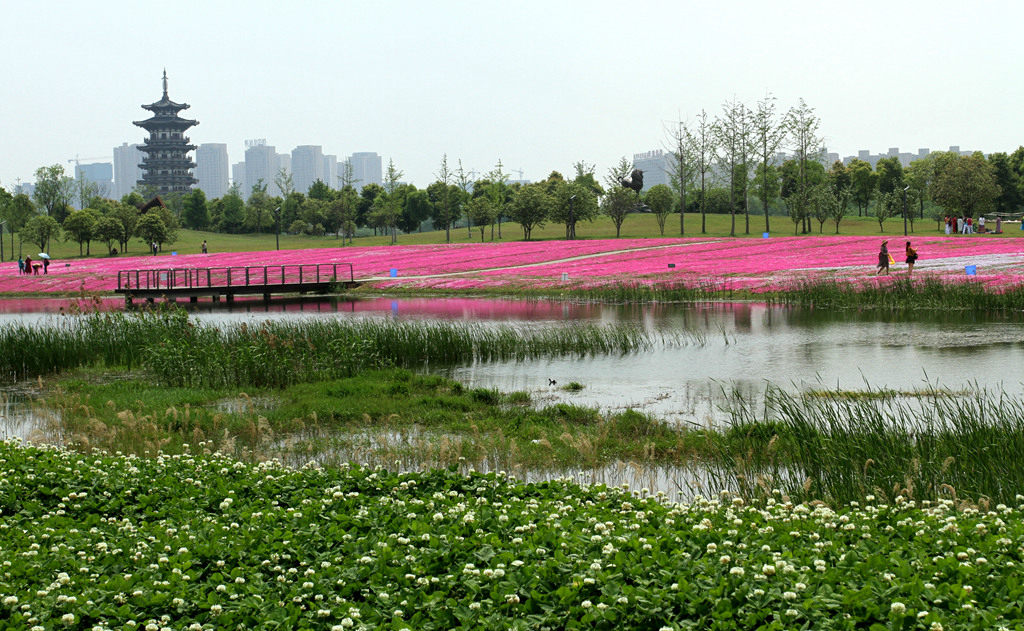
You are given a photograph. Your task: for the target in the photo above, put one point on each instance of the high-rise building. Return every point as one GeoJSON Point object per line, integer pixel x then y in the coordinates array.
{"type": "Point", "coordinates": [238, 175]}
{"type": "Point", "coordinates": [167, 167]}
{"type": "Point", "coordinates": [101, 174]}
{"type": "Point", "coordinates": [127, 169]}
{"type": "Point", "coordinates": [331, 171]}
{"type": "Point", "coordinates": [261, 165]}
{"type": "Point", "coordinates": [366, 169]}
{"type": "Point", "coordinates": [212, 169]}
{"type": "Point", "coordinates": [284, 161]}
{"type": "Point", "coordinates": [655, 166]}
{"type": "Point", "coordinates": [307, 166]}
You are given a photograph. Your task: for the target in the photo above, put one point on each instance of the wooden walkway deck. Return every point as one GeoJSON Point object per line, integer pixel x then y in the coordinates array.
{"type": "Point", "coordinates": [215, 282]}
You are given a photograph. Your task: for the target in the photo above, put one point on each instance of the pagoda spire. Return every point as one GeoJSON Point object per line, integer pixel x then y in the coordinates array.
{"type": "Point", "coordinates": [165, 83]}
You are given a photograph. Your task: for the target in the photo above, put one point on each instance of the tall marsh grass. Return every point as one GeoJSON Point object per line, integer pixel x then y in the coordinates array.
{"type": "Point", "coordinates": [902, 294]}
{"type": "Point", "coordinates": [275, 354]}
{"type": "Point", "coordinates": [839, 449]}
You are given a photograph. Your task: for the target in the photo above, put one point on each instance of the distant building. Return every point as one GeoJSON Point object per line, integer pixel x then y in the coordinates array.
{"type": "Point", "coordinates": [100, 173]}
{"type": "Point", "coordinates": [284, 161]}
{"type": "Point", "coordinates": [261, 165]}
{"type": "Point", "coordinates": [212, 169]}
{"type": "Point", "coordinates": [127, 169]}
{"type": "Point", "coordinates": [307, 166]}
{"type": "Point", "coordinates": [331, 171]}
{"type": "Point", "coordinates": [656, 167]}
{"type": "Point", "coordinates": [366, 169]}
{"type": "Point", "coordinates": [25, 188]}
{"type": "Point", "coordinates": [238, 175]}
{"type": "Point", "coordinates": [166, 166]}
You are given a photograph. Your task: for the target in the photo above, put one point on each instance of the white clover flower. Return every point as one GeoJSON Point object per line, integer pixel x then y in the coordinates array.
{"type": "Point", "coordinates": [68, 618]}
{"type": "Point", "coordinates": [936, 626]}
{"type": "Point", "coordinates": [216, 609]}
{"type": "Point", "coordinates": [10, 601]}
{"type": "Point", "coordinates": [792, 613]}
{"type": "Point", "coordinates": [789, 595]}
{"type": "Point", "coordinates": [586, 604]}
{"type": "Point", "coordinates": [736, 571]}
{"type": "Point", "coordinates": [898, 608]}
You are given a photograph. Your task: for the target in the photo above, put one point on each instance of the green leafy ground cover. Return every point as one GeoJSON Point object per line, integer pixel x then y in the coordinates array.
{"type": "Point", "coordinates": [206, 542]}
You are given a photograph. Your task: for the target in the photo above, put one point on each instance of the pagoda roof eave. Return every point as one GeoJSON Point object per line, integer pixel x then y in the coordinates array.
{"type": "Point", "coordinates": [165, 102]}
{"type": "Point", "coordinates": [166, 122]}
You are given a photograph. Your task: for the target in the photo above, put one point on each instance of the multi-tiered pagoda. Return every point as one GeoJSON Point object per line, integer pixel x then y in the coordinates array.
{"type": "Point", "coordinates": [167, 167]}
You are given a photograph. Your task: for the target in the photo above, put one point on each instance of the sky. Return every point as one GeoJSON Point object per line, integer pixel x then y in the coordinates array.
{"type": "Point", "coordinates": [536, 85]}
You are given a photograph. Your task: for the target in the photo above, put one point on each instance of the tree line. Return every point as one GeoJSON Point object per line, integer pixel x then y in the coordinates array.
{"type": "Point", "coordinates": [723, 164]}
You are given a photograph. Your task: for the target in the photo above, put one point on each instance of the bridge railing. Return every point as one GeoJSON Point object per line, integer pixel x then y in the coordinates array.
{"type": "Point", "coordinates": [227, 277]}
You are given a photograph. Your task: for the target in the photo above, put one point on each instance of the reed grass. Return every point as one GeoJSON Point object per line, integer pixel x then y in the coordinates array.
{"type": "Point", "coordinates": [901, 294]}
{"type": "Point", "coordinates": [840, 449]}
{"type": "Point", "coordinates": [276, 354]}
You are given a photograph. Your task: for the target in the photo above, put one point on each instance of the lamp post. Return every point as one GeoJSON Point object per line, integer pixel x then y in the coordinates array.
{"type": "Point", "coordinates": [905, 189]}
{"type": "Point", "coordinates": [571, 232]}
{"type": "Point", "coordinates": [277, 232]}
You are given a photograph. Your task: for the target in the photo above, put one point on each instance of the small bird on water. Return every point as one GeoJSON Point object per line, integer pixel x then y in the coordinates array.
{"type": "Point", "coordinates": [551, 382]}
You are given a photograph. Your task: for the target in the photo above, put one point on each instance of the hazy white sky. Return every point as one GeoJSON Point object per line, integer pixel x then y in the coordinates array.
{"type": "Point", "coordinates": [539, 85]}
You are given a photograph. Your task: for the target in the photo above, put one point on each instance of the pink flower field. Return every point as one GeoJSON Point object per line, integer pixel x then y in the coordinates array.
{"type": "Point", "coordinates": [727, 263]}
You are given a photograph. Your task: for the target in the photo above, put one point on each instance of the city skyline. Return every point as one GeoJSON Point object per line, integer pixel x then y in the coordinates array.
{"type": "Point", "coordinates": [554, 85]}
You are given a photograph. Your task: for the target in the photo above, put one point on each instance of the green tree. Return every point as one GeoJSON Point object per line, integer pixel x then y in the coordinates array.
{"type": "Point", "coordinates": [769, 133]}
{"type": "Point", "coordinates": [919, 176]}
{"type": "Point", "coordinates": [80, 226]}
{"type": "Point", "coordinates": [39, 230]}
{"type": "Point", "coordinates": [259, 209]}
{"type": "Point", "coordinates": [19, 211]}
{"type": "Point", "coordinates": [702, 148]}
{"type": "Point", "coordinates": [573, 202]}
{"type": "Point", "coordinates": [481, 214]}
{"type": "Point", "coordinates": [766, 186]}
{"type": "Point", "coordinates": [445, 198]}
{"type": "Point", "coordinates": [803, 126]}
{"type": "Point", "coordinates": [108, 230]}
{"type": "Point", "coordinates": [232, 211]}
{"type": "Point", "coordinates": [320, 190]}
{"type": "Point", "coordinates": [127, 217]}
{"type": "Point", "coordinates": [890, 175]}
{"type": "Point", "coordinates": [680, 171]}
{"type": "Point", "coordinates": [346, 202]}
{"type": "Point", "coordinates": [195, 213]}
{"type": "Point", "coordinates": [498, 193]}
{"type": "Point", "coordinates": [151, 229]}
{"type": "Point", "coordinates": [660, 199]}
{"type": "Point", "coordinates": [416, 208]}
{"type": "Point", "coordinates": [53, 191]}
{"type": "Point", "coordinates": [889, 205]}
{"type": "Point", "coordinates": [1009, 199]}
{"type": "Point", "coordinates": [5, 202]}
{"type": "Point", "coordinates": [862, 182]}
{"type": "Point", "coordinates": [285, 183]}
{"type": "Point", "coordinates": [966, 185]}
{"type": "Point", "coordinates": [616, 204]}
{"type": "Point", "coordinates": [530, 207]}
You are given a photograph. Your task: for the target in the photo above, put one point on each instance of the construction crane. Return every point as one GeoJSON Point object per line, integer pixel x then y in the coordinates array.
{"type": "Point", "coordinates": [76, 159]}
{"type": "Point", "coordinates": [520, 172]}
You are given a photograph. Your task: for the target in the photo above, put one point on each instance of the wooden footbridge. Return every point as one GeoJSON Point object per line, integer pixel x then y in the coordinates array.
{"type": "Point", "coordinates": [215, 282]}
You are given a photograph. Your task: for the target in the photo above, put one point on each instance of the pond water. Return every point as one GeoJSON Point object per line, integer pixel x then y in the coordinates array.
{"type": "Point", "coordinates": [726, 348]}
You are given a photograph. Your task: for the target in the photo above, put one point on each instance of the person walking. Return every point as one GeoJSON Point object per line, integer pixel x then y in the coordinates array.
{"type": "Point", "coordinates": [883, 258]}
{"type": "Point", "coordinates": [154, 246]}
{"type": "Point", "coordinates": [21, 265]}
{"type": "Point", "coordinates": [949, 226]}
{"type": "Point", "coordinates": [204, 246]}
{"type": "Point", "coordinates": [911, 259]}
{"type": "Point", "coordinates": [46, 266]}
{"type": "Point", "coordinates": [960, 225]}
{"type": "Point", "coordinates": [28, 264]}
{"type": "Point", "coordinates": [969, 227]}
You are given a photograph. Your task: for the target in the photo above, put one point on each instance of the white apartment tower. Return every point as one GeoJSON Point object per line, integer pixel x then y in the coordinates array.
{"type": "Point", "coordinates": [127, 171]}
{"type": "Point", "coordinates": [331, 171]}
{"type": "Point", "coordinates": [212, 169]}
{"type": "Point", "coordinates": [307, 166]}
{"type": "Point", "coordinates": [261, 166]}
{"type": "Point", "coordinates": [366, 169]}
